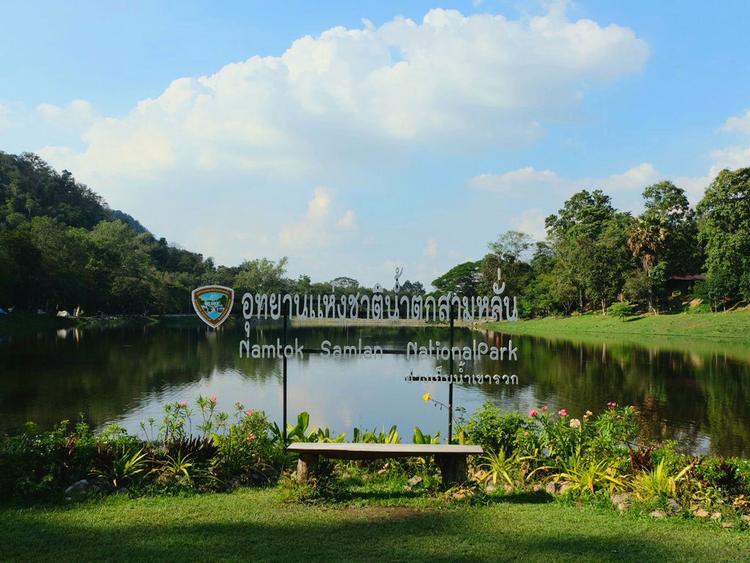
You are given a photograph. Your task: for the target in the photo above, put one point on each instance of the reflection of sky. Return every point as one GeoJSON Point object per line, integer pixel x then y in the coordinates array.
{"type": "Point", "coordinates": [338, 393]}
{"type": "Point", "coordinates": [128, 375]}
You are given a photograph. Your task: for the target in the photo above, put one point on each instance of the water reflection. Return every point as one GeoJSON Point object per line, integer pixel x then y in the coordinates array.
{"type": "Point", "coordinates": [695, 392]}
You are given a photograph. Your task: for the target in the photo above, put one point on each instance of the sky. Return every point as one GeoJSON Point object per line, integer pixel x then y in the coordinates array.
{"type": "Point", "coordinates": [355, 137]}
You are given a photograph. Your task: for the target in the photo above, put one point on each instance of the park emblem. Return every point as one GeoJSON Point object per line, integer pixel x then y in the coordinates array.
{"type": "Point", "coordinates": [213, 303]}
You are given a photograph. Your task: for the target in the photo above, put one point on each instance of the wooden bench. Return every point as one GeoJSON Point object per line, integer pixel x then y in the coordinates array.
{"type": "Point", "coordinates": [451, 458]}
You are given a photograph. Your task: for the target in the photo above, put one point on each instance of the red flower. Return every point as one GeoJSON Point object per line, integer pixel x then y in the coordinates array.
{"type": "Point", "coordinates": [563, 412]}
{"type": "Point", "coordinates": [533, 413]}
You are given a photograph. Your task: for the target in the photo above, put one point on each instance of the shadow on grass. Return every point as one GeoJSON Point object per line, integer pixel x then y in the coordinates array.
{"type": "Point", "coordinates": [539, 497]}
{"type": "Point", "coordinates": [301, 533]}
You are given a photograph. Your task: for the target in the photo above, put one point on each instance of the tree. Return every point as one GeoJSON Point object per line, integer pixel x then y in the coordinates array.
{"type": "Point", "coordinates": [724, 221]}
{"type": "Point", "coordinates": [585, 235]}
{"type": "Point", "coordinates": [462, 279]}
{"type": "Point", "coordinates": [262, 276]}
{"type": "Point", "coordinates": [344, 283]}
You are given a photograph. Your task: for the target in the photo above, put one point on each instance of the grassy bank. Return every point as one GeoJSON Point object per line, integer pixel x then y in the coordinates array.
{"type": "Point", "coordinates": [729, 326]}
{"type": "Point", "coordinates": [254, 525]}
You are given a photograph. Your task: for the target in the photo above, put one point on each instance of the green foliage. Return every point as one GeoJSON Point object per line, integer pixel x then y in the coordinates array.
{"type": "Point", "coordinates": [497, 467]}
{"type": "Point", "coordinates": [494, 431]}
{"type": "Point", "coordinates": [462, 279]}
{"type": "Point", "coordinates": [123, 469]}
{"type": "Point", "coordinates": [584, 475]}
{"type": "Point", "coordinates": [375, 437]}
{"type": "Point", "coordinates": [621, 309]}
{"type": "Point", "coordinates": [420, 437]}
{"type": "Point", "coordinates": [659, 482]}
{"type": "Point", "coordinates": [724, 219]}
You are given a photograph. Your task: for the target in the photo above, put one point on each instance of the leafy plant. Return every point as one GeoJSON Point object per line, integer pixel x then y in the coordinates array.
{"type": "Point", "coordinates": [659, 482]}
{"type": "Point", "coordinates": [375, 437]}
{"type": "Point", "coordinates": [421, 438]}
{"type": "Point", "coordinates": [584, 475]}
{"type": "Point", "coordinates": [124, 467]}
{"type": "Point", "coordinates": [498, 467]}
{"type": "Point", "coordinates": [175, 468]}
{"type": "Point", "coordinates": [493, 431]}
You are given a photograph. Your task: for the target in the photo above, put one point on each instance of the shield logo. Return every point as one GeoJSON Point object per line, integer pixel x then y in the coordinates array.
{"type": "Point", "coordinates": [213, 303]}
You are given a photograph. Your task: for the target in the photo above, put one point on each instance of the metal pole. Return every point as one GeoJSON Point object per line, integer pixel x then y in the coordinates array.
{"type": "Point", "coordinates": [450, 383]}
{"type": "Point", "coordinates": [286, 318]}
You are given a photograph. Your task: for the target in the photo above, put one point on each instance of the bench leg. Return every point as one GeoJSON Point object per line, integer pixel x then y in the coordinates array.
{"type": "Point", "coordinates": [453, 468]}
{"type": "Point", "coordinates": [306, 466]}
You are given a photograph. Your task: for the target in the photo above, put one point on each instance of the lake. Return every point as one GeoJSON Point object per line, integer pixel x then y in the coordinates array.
{"type": "Point", "coordinates": [695, 392]}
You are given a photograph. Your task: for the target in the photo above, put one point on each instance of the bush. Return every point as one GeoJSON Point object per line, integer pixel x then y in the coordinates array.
{"type": "Point", "coordinates": [621, 309]}
{"type": "Point", "coordinates": [38, 463]}
{"type": "Point", "coordinates": [492, 430]}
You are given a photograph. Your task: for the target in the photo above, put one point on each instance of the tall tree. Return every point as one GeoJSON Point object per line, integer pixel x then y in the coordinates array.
{"type": "Point", "coordinates": [724, 221]}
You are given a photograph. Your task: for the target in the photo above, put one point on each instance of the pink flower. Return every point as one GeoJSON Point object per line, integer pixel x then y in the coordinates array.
{"type": "Point", "coordinates": [545, 408]}
{"type": "Point", "coordinates": [251, 412]}
{"type": "Point", "coordinates": [611, 405]}
{"type": "Point", "coordinates": [213, 398]}
{"type": "Point", "coordinates": [563, 412]}
{"type": "Point", "coordinates": [250, 437]}
{"type": "Point", "coordinates": [182, 404]}
{"type": "Point", "coordinates": [533, 413]}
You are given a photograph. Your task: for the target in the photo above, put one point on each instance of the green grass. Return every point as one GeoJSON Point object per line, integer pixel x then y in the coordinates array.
{"type": "Point", "coordinates": [259, 525]}
{"type": "Point", "coordinates": [729, 326]}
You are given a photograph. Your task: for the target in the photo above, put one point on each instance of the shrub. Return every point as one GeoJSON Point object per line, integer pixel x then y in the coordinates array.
{"type": "Point", "coordinates": [621, 309]}
{"type": "Point", "coordinates": [38, 463]}
{"type": "Point", "coordinates": [492, 430]}
{"type": "Point", "coordinates": [248, 451]}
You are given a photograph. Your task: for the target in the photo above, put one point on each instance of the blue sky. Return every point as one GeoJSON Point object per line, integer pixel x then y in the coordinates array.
{"type": "Point", "coordinates": [404, 133]}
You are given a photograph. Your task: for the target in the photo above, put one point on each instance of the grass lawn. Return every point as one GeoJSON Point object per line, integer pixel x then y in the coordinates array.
{"type": "Point", "coordinates": [729, 326]}
{"type": "Point", "coordinates": [258, 524]}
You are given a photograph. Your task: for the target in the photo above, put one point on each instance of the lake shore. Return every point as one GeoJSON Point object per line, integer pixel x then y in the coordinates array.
{"type": "Point", "coordinates": [731, 326]}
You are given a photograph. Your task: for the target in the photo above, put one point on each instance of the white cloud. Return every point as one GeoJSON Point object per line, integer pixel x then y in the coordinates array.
{"type": "Point", "coordinates": [78, 114]}
{"type": "Point", "coordinates": [521, 179]}
{"type": "Point", "coordinates": [431, 248]}
{"type": "Point", "coordinates": [738, 124]}
{"type": "Point", "coordinates": [528, 181]}
{"type": "Point", "coordinates": [316, 228]}
{"type": "Point", "coordinates": [348, 221]}
{"type": "Point", "coordinates": [449, 79]}
{"type": "Point", "coordinates": [531, 222]}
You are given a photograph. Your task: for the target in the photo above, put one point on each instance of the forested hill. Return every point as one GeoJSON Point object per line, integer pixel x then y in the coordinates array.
{"type": "Point", "coordinates": [62, 247]}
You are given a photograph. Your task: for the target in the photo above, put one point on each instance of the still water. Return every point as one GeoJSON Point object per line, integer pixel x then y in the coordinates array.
{"type": "Point", "coordinates": [695, 392]}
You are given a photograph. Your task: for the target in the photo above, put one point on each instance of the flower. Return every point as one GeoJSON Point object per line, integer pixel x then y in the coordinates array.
{"type": "Point", "coordinates": [533, 413]}
{"type": "Point", "coordinates": [182, 404]}
{"type": "Point", "coordinates": [213, 398]}
{"type": "Point", "coordinates": [575, 423]}
{"type": "Point", "coordinates": [250, 437]}
{"type": "Point", "coordinates": [427, 397]}
{"type": "Point", "coordinates": [563, 412]}
{"type": "Point", "coordinates": [588, 414]}
{"type": "Point", "coordinates": [545, 408]}
{"type": "Point", "coordinates": [611, 405]}
{"type": "Point", "coordinates": [250, 412]}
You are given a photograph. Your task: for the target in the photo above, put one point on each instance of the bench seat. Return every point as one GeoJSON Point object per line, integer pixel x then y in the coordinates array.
{"type": "Point", "coordinates": [451, 458]}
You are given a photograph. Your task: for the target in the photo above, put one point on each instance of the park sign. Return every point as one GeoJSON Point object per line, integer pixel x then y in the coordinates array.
{"type": "Point", "coordinates": [213, 303]}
